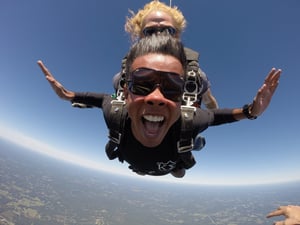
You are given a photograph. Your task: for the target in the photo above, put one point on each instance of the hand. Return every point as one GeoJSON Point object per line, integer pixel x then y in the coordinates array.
{"type": "Point", "coordinates": [57, 87]}
{"type": "Point", "coordinates": [265, 93]}
{"type": "Point", "coordinates": [291, 212]}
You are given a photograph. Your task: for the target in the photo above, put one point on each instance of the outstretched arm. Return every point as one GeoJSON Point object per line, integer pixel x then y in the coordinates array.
{"type": "Point", "coordinates": [291, 213]}
{"type": "Point", "coordinates": [57, 87]}
{"type": "Point", "coordinates": [263, 97]}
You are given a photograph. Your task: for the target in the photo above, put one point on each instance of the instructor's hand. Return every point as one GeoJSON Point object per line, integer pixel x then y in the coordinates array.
{"type": "Point", "coordinates": [291, 213]}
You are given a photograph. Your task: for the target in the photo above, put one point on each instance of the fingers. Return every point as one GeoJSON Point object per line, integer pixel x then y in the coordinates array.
{"type": "Point", "coordinates": [290, 212]}
{"type": "Point", "coordinates": [43, 68]}
{"type": "Point", "coordinates": [277, 212]}
{"type": "Point", "coordinates": [287, 222]}
{"type": "Point", "coordinates": [46, 72]}
{"type": "Point", "coordinates": [56, 86]}
{"type": "Point", "coordinates": [265, 93]}
{"type": "Point", "coordinates": [272, 80]}
{"type": "Point", "coordinates": [273, 75]}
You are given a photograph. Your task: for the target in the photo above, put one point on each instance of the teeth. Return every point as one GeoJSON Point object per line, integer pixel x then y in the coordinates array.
{"type": "Point", "coordinates": [154, 118]}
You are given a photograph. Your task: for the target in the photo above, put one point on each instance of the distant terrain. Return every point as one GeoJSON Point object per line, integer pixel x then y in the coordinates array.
{"type": "Point", "coordinates": [37, 190]}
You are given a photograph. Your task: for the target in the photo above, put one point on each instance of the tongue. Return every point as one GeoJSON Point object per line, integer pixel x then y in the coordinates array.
{"type": "Point", "coordinates": [152, 127]}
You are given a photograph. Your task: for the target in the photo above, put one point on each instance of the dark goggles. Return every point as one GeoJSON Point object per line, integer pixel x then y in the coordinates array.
{"type": "Point", "coordinates": [143, 81]}
{"type": "Point", "coordinates": [148, 31]}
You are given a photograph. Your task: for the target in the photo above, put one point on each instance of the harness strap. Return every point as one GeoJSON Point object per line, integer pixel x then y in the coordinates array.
{"type": "Point", "coordinates": [116, 127]}
{"type": "Point", "coordinates": [186, 142]}
{"type": "Point", "coordinates": [190, 96]}
{"type": "Point", "coordinates": [192, 87]}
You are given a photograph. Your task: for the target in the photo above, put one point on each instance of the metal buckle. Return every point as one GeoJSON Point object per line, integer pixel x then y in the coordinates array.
{"type": "Point", "coordinates": [185, 148]}
{"type": "Point", "coordinates": [115, 137]}
{"type": "Point", "coordinates": [116, 104]}
{"type": "Point", "coordinates": [191, 88]}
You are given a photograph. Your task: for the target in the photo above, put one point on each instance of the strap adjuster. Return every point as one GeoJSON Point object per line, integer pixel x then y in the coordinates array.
{"type": "Point", "coordinates": [115, 137]}
{"type": "Point", "coordinates": [185, 145]}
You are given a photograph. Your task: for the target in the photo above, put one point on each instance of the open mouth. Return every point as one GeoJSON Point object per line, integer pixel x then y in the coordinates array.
{"type": "Point", "coordinates": [153, 119]}
{"type": "Point", "coordinates": [152, 123]}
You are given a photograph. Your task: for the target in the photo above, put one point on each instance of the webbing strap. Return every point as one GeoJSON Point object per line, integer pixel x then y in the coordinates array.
{"type": "Point", "coordinates": [190, 96]}
{"type": "Point", "coordinates": [116, 126]}
{"type": "Point", "coordinates": [186, 142]}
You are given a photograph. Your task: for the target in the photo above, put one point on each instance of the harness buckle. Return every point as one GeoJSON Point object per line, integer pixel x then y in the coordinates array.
{"type": "Point", "coordinates": [185, 145]}
{"type": "Point", "coordinates": [115, 136]}
{"type": "Point", "coordinates": [191, 88]}
{"type": "Point", "coordinates": [189, 98]}
{"type": "Point", "coordinates": [116, 109]}
{"type": "Point", "coordinates": [120, 94]}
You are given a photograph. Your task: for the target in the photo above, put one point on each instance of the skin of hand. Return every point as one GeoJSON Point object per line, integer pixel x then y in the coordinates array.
{"type": "Point", "coordinates": [263, 96]}
{"type": "Point", "coordinates": [265, 93]}
{"type": "Point", "coordinates": [57, 87]}
{"type": "Point", "coordinates": [291, 213]}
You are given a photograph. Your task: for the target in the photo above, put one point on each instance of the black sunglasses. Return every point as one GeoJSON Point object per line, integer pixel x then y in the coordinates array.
{"type": "Point", "coordinates": [148, 31]}
{"type": "Point", "coordinates": [143, 81]}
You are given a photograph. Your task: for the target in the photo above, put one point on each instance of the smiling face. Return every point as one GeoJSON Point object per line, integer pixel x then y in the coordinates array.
{"type": "Point", "coordinates": [153, 115]}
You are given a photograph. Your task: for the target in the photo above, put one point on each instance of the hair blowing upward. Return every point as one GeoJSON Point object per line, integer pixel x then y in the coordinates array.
{"type": "Point", "coordinates": [134, 24]}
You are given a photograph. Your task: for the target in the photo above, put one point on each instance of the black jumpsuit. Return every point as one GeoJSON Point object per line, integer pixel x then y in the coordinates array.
{"type": "Point", "coordinates": [164, 158]}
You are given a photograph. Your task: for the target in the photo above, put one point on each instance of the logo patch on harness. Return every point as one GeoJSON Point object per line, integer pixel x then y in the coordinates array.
{"type": "Point", "coordinates": [165, 167]}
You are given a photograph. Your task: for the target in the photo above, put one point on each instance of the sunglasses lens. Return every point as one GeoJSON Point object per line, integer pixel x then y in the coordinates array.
{"type": "Point", "coordinates": [140, 90]}
{"type": "Point", "coordinates": [143, 81]}
{"type": "Point", "coordinates": [172, 87]}
{"type": "Point", "coordinates": [148, 31]}
{"type": "Point", "coordinates": [171, 30]}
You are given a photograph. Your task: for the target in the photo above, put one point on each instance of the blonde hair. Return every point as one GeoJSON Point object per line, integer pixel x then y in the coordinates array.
{"type": "Point", "coordinates": [134, 24]}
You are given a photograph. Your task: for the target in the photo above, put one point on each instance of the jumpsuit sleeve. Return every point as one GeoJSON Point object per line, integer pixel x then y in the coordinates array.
{"type": "Point", "coordinates": [205, 118]}
{"type": "Point", "coordinates": [89, 99]}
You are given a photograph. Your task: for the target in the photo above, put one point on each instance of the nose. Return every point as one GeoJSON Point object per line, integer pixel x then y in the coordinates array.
{"type": "Point", "coordinates": [155, 98]}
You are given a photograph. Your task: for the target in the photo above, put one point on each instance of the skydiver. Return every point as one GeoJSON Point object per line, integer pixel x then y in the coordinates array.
{"type": "Point", "coordinates": [152, 113]}
{"type": "Point", "coordinates": [157, 17]}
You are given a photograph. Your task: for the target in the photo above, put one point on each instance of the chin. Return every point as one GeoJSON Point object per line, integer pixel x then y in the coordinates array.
{"type": "Point", "coordinates": [150, 144]}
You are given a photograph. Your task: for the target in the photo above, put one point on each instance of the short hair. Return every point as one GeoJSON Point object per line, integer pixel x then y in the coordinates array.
{"type": "Point", "coordinates": [157, 43]}
{"type": "Point", "coordinates": [134, 24]}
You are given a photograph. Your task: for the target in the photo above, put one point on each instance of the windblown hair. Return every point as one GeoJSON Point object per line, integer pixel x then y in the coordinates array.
{"type": "Point", "coordinates": [157, 43]}
{"type": "Point", "coordinates": [134, 24]}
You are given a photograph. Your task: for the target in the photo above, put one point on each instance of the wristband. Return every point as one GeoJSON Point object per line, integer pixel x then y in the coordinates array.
{"type": "Point", "coordinates": [246, 111]}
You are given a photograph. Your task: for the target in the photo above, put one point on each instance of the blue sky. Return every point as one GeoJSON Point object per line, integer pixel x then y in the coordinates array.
{"type": "Point", "coordinates": [82, 43]}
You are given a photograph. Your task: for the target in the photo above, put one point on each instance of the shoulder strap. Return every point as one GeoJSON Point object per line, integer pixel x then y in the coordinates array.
{"type": "Point", "coordinates": [191, 54]}
{"type": "Point", "coordinates": [121, 80]}
{"type": "Point", "coordinates": [117, 116]}
{"type": "Point", "coordinates": [186, 142]}
{"type": "Point", "coordinates": [192, 87]}
{"type": "Point", "coordinates": [116, 128]}
{"type": "Point", "coordinates": [192, 58]}
{"type": "Point", "coordinates": [192, 79]}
